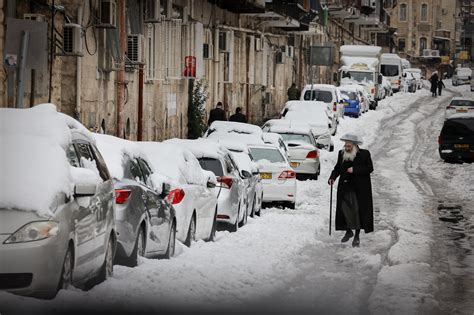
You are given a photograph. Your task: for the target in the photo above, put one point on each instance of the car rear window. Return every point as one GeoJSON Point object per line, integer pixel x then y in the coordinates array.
{"type": "Point", "coordinates": [458, 127]}
{"type": "Point", "coordinates": [389, 70]}
{"type": "Point", "coordinates": [462, 103]}
{"type": "Point", "coordinates": [212, 165]}
{"type": "Point", "coordinates": [348, 95]}
{"type": "Point", "coordinates": [287, 137]}
{"type": "Point", "coordinates": [271, 155]}
{"type": "Point", "coordinates": [318, 95]}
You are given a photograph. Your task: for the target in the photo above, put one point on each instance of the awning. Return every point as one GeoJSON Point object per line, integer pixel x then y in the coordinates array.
{"type": "Point", "coordinates": [441, 38]}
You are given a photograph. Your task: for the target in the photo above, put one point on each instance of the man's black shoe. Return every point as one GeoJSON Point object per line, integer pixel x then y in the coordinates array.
{"type": "Point", "coordinates": [355, 242]}
{"type": "Point", "coordinates": [347, 236]}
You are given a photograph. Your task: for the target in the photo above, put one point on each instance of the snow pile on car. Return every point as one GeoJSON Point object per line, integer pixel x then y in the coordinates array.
{"type": "Point", "coordinates": [33, 164]}
{"type": "Point", "coordinates": [234, 127]}
{"type": "Point", "coordinates": [201, 148]}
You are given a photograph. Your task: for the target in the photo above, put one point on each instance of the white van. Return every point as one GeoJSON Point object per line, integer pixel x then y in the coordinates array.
{"type": "Point", "coordinates": [391, 68]}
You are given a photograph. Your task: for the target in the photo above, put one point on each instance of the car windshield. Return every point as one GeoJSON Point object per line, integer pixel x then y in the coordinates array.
{"type": "Point", "coordinates": [462, 103]}
{"type": "Point", "coordinates": [464, 72]}
{"type": "Point", "coordinates": [212, 165]}
{"type": "Point", "coordinates": [287, 137]}
{"type": "Point", "coordinates": [389, 70]}
{"type": "Point", "coordinates": [318, 95]}
{"type": "Point", "coordinates": [347, 95]}
{"type": "Point", "coordinates": [271, 155]}
{"type": "Point", "coordinates": [359, 76]}
{"type": "Point", "coordinates": [458, 127]}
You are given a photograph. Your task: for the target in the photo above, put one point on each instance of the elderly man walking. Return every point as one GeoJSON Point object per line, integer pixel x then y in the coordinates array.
{"type": "Point", "coordinates": [354, 209]}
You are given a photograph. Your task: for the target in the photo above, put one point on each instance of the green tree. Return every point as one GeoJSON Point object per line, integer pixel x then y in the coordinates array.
{"type": "Point", "coordinates": [198, 94]}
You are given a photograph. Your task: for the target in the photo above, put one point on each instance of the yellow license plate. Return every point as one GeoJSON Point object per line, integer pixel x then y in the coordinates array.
{"type": "Point", "coordinates": [266, 175]}
{"type": "Point", "coordinates": [461, 146]}
{"type": "Point", "coordinates": [461, 111]}
{"type": "Point", "coordinates": [346, 104]}
{"type": "Point", "coordinates": [294, 164]}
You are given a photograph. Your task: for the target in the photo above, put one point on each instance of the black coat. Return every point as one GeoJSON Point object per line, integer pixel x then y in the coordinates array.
{"type": "Point", "coordinates": [238, 117]}
{"type": "Point", "coordinates": [434, 83]}
{"type": "Point", "coordinates": [216, 114]}
{"type": "Point", "coordinates": [359, 180]}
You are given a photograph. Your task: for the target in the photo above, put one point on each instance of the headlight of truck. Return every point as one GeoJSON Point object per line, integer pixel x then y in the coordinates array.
{"type": "Point", "coordinates": [34, 231]}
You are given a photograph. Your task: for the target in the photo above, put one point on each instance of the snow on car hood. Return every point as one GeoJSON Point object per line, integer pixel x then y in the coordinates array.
{"type": "Point", "coordinates": [234, 127]}
{"type": "Point", "coordinates": [33, 165]}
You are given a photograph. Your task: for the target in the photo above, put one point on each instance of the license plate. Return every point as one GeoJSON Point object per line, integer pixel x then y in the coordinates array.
{"type": "Point", "coordinates": [461, 146]}
{"type": "Point", "coordinates": [294, 164]}
{"type": "Point", "coordinates": [461, 110]}
{"type": "Point", "coordinates": [266, 175]}
{"type": "Point", "coordinates": [346, 104]}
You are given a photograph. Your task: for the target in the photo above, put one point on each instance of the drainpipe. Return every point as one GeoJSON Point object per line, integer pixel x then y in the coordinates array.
{"type": "Point", "coordinates": [140, 104]}
{"type": "Point", "coordinates": [247, 92]}
{"type": "Point", "coordinates": [121, 70]}
{"type": "Point", "coordinates": [78, 72]}
{"type": "Point", "coordinates": [216, 65]}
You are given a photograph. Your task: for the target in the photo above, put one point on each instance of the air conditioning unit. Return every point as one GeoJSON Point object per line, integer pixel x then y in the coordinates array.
{"type": "Point", "coordinates": [72, 39]}
{"type": "Point", "coordinates": [224, 41]}
{"type": "Point", "coordinates": [279, 57]}
{"type": "Point", "coordinates": [435, 53]}
{"type": "Point", "coordinates": [107, 14]}
{"type": "Point", "coordinates": [258, 44]}
{"type": "Point", "coordinates": [207, 50]}
{"type": "Point", "coordinates": [135, 49]}
{"type": "Point", "coordinates": [34, 17]}
{"type": "Point", "coordinates": [426, 52]}
{"type": "Point", "coordinates": [152, 11]}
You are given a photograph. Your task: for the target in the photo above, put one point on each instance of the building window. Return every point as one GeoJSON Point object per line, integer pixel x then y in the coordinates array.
{"type": "Point", "coordinates": [403, 12]}
{"type": "Point", "coordinates": [424, 12]}
{"type": "Point", "coordinates": [401, 44]}
{"type": "Point", "coordinates": [423, 45]}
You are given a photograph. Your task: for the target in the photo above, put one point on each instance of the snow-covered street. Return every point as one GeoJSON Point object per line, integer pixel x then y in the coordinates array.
{"type": "Point", "coordinates": [285, 261]}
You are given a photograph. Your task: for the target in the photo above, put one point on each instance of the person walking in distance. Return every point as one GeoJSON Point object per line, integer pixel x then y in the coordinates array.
{"type": "Point", "coordinates": [354, 207]}
{"type": "Point", "coordinates": [440, 86]}
{"type": "Point", "coordinates": [293, 93]}
{"type": "Point", "coordinates": [217, 113]}
{"type": "Point", "coordinates": [434, 83]}
{"type": "Point", "coordinates": [238, 116]}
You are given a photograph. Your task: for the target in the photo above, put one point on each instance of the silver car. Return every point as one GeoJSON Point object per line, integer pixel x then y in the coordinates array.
{"type": "Point", "coordinates": [70, 240]}
{"type": "Point", "coordinates": [145, 218]}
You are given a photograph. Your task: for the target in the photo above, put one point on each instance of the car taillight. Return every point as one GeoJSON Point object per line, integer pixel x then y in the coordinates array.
{"type": "Point", "coordinates": [334, 107]}
{"type": "Point", "coordinates": [450, 107]}
{"type": "Point", "coordinates": [225, 181]}
{"type": "Point", "coordinates": [287, 174]}
{"type": "Point", "coordinates": [312, 154]}
{"type": "Point", "coordinates": [176, 195]}
{"type": "Point", "coordinates": [122, 195]}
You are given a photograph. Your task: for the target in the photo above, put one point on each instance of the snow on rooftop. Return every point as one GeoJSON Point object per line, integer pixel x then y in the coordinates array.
{"type": "Point", "coordinates": [360, 50]}
{"type": "Point", "coordinates": [359, 63]}
{"type": "Point", "coordinates": [114, 149]}
{"type": "Point", "coordinates": [33, 165]}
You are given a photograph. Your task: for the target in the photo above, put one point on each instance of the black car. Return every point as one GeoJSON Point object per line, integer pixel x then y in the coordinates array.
{"type": "Point", "coordinates": [456, 141]}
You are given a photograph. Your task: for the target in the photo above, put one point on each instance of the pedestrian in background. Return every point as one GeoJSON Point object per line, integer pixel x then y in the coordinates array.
{"type": "Point", "coordinates": [440, 87]}
{"type": "Point", "coordinates": [354, 207]}
{"type": "Point", "coordinates": [293, 93]}
{"type": "Point", "coordinates": [217, 113]}
{"type": "Point", "coordinates": [434, 83]}
{"type": "Point", "coordinates": [238, 116]}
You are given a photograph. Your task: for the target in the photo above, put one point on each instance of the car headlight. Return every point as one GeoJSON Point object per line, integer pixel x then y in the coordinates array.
{"type": "Point", "coordinates": [34, 231]}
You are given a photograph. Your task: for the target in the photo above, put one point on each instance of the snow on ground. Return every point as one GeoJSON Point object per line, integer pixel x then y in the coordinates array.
{"type": "Point", "coordinates": [285, 260]}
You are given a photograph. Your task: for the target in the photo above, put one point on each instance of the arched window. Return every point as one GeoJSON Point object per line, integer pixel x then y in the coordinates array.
{"type": "Point", "coordinates": [424, 12]}
{"type": "Point", "coordinates": [403, 12]}
{"type": "Point", "coordinates": [401, 44]}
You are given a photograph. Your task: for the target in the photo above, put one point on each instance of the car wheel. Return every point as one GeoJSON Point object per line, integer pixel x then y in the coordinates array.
{"type": "Point", "coordinates": [107, 269]}
{"type": "Point", "coordinates": [171, 242]}
{"type": "Point", "coordinates": [212, 237]}
{"type": "Point", "coordinates": [191, 237]}
{"type": "Point", "coordinates": [138, 250]}
{"type": "Point", "coordinates": [65, 281]}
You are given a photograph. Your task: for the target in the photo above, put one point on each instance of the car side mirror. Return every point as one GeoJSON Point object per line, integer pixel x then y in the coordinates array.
{"type": "Point", "coordinates": [245, 174]}
{"type": "Point", "coordinates": [319, 145]}
{"type": "Point", "coordinates": [85, 190]}
{"type": "Point", "coordinates": [211, 184]}
{"type": "Point", "coordinates": [334, 76]}
{"type": "Point", "coordinates": [165, 190]}
{"type": "Point", "coordinates": [380, 79]}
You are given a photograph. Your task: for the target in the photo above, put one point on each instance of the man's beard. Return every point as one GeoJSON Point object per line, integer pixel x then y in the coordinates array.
{"type": "Point", "coordinates": [350, 156]}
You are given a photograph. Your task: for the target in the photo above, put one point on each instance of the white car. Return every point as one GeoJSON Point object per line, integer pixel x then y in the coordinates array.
{"type": "Point", "coordinates": [234, 128]}
{"type": "Point", "coordinates": [277, 141]}
{"type": "Point", "coordinates": [459, 105]}
{"type": "Point", "coordinates": [325, 93]}
{"type": "Point", "coordinates": [387, 86]}
{"type": "Point", "coordinates": [191, 190]}
{"type": "Point", "coordinates": [417, 75]}
{"type": "Point", "coordinates": [461, 76]}
{"type": "Point", "coordinates": [317, 110]}
{"type": "Point", "coordinates": [300, 139]}
{"type": "Point", "coordinates": [230, 190]}
{"type": "Point", "coordinates": [278, 178]}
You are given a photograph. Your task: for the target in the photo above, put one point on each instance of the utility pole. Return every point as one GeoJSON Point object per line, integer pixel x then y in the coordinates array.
{"type": "Point", "coordinates": [20, 89]}
{"type": "Point", "coordinates": [121, 70]}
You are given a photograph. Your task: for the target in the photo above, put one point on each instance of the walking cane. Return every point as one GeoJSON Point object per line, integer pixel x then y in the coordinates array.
{"type": "Point", "coordinates": [330, 211]}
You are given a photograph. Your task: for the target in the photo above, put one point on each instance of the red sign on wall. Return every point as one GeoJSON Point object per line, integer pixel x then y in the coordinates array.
{"type": "Point", "coordinates": [190, 66]}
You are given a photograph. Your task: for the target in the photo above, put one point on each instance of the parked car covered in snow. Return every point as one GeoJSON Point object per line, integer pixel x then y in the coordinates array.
{"type": "Point", "coordinates": [353, 105]}
{"type": "Point", "coordinates": [387, 86]}
{"type": "Point", "coordinates": [409, 80]}
{"type": "Point", "coordinates": [318, 110]}
{"type": "Point", "coordinates": [461, 75]}
{"type": "Point", "coordinates": [328, 94]}
{"type": "Point", "coordinates": [146, 224]}
{"type": "Point", "coordinates": [277, 141]}
{"type": "Point", "coordinates": [456, 140]}
{"type": "Point", "coordinates": [417, 75]}
{"type": "Point", "coordinates": [278, 178]}
{"type": "Point", "coordinates": [300, 139]}
{"type": "Point", "coordinates": [230, 127]}
{"type": "Point", "coordinates": [459, 105]}
{"type": "Point", "coordinates": [191, 190]}
{"type": "Point", "coordinates": [230, 190]}
{"type": "Point", "coordinates": [57, 223]}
